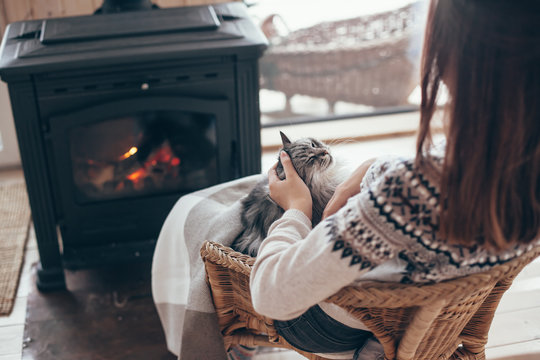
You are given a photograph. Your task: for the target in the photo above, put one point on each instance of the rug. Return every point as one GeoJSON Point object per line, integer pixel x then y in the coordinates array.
{"type": "Point", "coordinates": [14, 226]}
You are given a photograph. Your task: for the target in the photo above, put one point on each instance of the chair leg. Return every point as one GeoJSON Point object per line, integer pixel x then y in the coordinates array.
{"type": "Point", "coordinates": [475, 345]}
{"type": "Point", "coordinates": [463, 353]}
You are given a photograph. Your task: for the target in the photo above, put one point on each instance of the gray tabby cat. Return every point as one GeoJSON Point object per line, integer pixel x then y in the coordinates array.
{"type": "Point", "coordinates": [312, 160]}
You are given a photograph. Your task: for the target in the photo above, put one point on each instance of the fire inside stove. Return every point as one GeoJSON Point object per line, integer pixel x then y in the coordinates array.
{"type": "Point", "coordinates": [161, 166]}
{"type": "Point", "coordinates": [143, 154]}
{"type": "Point", "coordinates": [163, 162]}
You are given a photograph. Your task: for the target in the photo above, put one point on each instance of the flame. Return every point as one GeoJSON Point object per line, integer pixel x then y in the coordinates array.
{"type": "Point", "coordinates": [163, 157]}
{"type": "Point", "coordinates": [130, 152]}
{"type": "Point", "coordinates": [137, 175]}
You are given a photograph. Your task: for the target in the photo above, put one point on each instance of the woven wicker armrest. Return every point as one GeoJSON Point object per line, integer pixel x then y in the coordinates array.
{"type": "Point", "coordinates": [227, 257]}
{"type": "Point", "coordinates": [395, 295]}
{"type": "Point", "coordinates": [411, 321]}
{"type": "Point", "coordinates": [228, 274]}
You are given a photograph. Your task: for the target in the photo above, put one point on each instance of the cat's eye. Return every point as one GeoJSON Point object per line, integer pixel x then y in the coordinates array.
{"type": "Point", "coordinates": [313, 144]}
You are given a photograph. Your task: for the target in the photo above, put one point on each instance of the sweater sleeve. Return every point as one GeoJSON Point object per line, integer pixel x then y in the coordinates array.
{"type": "Point", "coordinates": [298, 267]}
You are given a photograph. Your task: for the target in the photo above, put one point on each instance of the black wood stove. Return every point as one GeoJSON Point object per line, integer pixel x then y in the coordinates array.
{"type": "Point", "coordinates": [120, 113]}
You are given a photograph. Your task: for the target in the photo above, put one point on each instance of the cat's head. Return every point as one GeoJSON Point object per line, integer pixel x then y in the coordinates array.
{"type": "Point", "coordinates": [308, 155]}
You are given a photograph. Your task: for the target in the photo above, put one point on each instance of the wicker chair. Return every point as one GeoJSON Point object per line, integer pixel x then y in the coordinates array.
{"type": "Point", "coordinates": [369, 60]}
{"type": "Point", "coordinates": [447, 320]}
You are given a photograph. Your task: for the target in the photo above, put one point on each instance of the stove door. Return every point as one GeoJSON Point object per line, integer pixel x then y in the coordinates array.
{"type": "Point", "coordinates": [122, 165]}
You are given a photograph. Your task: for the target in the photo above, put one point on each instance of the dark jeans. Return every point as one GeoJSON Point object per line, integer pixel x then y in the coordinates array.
{"type": "Point", "coordinates": [316, 332]}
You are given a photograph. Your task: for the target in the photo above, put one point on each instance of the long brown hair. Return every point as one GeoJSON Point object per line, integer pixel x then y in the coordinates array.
{"type": "Point", "coordinates": [488, 55]}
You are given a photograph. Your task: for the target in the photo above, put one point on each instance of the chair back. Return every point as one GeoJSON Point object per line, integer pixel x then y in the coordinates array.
{"type": "Point", "coordinates": [411, 321]}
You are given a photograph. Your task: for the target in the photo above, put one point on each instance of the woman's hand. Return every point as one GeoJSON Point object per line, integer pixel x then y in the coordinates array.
{"type": "Point", "coordinates": [346, 189]}
{"type": "Point", "coordinates": [292, 192]}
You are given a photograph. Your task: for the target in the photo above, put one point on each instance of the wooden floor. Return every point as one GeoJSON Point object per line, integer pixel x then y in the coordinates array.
{"type": "Point", "coordinates": [515, 333]}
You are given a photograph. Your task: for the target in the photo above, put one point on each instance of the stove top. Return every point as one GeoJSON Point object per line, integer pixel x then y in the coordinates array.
{"type": "Point", "coordinates": [140, 23]}
{"type": "Point", "coordinates": [172, 33]}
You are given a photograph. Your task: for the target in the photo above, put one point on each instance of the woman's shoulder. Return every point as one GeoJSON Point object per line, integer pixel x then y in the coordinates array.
{"type": "Point", "coordinates": [401, 198]}
{"type": "Point", "coordinates": [401, 203]}
{"type": "Point", "coordinates": [403, 172]}
{"type": "Point", "coordinates": [395, 203]}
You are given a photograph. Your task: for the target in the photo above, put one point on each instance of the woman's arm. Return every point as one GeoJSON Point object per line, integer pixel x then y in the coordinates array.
{"type": "Point", "coordinates": [347, 189]}
{"type": "Point", "coordinates": [296, 267]}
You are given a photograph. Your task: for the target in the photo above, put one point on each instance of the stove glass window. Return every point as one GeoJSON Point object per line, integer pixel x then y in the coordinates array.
{"type": "Point", "coordinates": [144, 153]}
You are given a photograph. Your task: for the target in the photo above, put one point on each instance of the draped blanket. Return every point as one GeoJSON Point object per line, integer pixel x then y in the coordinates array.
{"type": "Point", "coordinates": [179, 288]}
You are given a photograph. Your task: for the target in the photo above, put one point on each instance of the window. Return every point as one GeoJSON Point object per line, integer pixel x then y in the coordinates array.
{"type": "Point", "coordinates": [336, 59]}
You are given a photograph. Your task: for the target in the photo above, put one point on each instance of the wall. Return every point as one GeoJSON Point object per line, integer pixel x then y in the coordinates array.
{"type": "Point", "coordinates": [9, 154]}
{"type": "Point", "coordinates": [18, 10]}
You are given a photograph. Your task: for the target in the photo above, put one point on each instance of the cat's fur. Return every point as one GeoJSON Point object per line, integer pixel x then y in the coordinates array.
{"type": "Point", "coordinates": [319, 170]}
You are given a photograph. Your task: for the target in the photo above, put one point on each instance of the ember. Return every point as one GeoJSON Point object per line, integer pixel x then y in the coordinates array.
{"type": "Point", "coordinates": [129, 174]}
{"type": "Point", "coordinates": [161, 163]}
{"type": "Point", "coordinates": [137, 175]}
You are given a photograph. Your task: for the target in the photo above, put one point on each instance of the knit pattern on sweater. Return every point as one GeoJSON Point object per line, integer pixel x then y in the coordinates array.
{"type": "Point", "coordinates": [396, 214]}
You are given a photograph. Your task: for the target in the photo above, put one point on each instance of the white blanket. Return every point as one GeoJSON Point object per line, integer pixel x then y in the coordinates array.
{"type": "Point", "coordinates": [179, 289]}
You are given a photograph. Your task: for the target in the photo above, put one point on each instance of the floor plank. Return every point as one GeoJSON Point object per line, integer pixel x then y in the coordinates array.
{"type": "Point", "coordinates": [524, 292]}
{"type": "Point", "coordinates": [515, 327]}
{"type": "Point", "coordinates": [529, 350]}
{"type": "Point", "coordinates": [17, 315]}
{"type": "Point", "coordinates": [10, 357]}
{"type": "Point", "coordinates": [11, 338]}
{"type": "Point", "coordinates": [530, 271]}
{"type": "Point", "coordinates": [31, 257]}
{"type": "Point", "coordinates": [279, 355]}
{"type": "Point", "coordinates": [32, 242]}
{"type": "Point", "coordinates": [519, 300]}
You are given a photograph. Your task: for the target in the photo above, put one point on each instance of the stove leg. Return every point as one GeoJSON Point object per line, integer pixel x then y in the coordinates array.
{"type": "Point", "coordinates": [50, 279]}
{"type": "Point", "coordinates": [50, 269]}
{"type": "Point", "coordinates": [36, 166]}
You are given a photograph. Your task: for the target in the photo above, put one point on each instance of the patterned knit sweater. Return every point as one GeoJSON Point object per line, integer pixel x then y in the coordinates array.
{"type": "Point", "coordinates": [388, 232]}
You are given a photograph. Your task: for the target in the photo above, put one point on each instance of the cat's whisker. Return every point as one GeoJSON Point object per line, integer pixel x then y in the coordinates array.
{"type": "Point", "coordinates": [351, 141]}
{"type": "Point", "coordinates": [338, 142]}
{"type": "Point", "coordinates": [333, 142]}
{"type": "Point", "coordinates": [345, 141]}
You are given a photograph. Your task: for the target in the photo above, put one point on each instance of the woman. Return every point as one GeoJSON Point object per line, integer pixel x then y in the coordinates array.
{"type": "Point", "coordinates": [427, 219]}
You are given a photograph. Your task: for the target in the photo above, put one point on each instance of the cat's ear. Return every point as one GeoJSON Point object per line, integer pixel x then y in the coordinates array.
{"type": "Point", "coordinates": [284, 139]}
